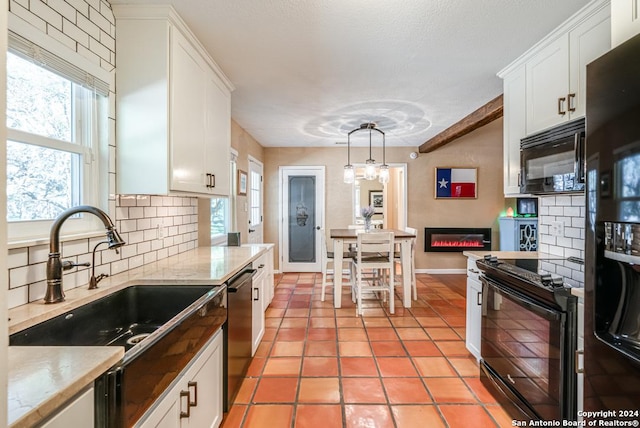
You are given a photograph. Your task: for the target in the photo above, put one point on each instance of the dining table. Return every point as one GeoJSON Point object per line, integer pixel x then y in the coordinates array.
{"type": "Point", "coordinates": [341, 237]}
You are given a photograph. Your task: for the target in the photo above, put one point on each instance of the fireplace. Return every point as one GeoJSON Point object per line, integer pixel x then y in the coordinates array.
{"type": "Point", "coordinates": [452, 239]}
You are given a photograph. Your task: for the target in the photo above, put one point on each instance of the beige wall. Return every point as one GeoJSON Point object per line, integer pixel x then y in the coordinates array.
{"type": "Point", "coordinates": [481, 149]}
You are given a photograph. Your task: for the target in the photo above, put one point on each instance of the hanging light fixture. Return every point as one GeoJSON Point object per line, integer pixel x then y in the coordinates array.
{"type": "Point", "coordinates": [349, 172]}
{"type": "Point", "coordinates": [384, 168]}
{"type": "Point", "coordinates": [370, 172]}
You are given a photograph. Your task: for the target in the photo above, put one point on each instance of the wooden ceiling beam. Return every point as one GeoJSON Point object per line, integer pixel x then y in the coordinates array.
{"type": "Point", "coordinates": [482, 116]}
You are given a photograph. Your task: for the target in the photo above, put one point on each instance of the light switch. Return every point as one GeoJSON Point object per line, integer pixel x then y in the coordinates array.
{"type": "Point", "coordinates": [246, 207]}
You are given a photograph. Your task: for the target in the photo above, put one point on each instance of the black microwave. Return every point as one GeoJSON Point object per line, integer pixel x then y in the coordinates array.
{"type": "Point", "coordinates": [553, 161]}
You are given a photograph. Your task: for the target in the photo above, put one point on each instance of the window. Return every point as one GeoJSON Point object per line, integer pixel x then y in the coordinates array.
{"type": "Point", "coordinates": [54, 125]}
{"type": "Point", "coordinates": [219, 219]}
{"type": "Point", "coordinates": [255, 194]}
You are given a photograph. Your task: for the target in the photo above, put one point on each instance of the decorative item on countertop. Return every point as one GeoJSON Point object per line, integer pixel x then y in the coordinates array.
{"type": "Point", "coordinates": [367, 213]}
{"type": "Point", "coordinates": [233, 239]}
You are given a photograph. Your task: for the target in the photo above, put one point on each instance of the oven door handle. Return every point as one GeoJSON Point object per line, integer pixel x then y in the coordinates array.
{"type": "Point", "coordinates": [523, 300]}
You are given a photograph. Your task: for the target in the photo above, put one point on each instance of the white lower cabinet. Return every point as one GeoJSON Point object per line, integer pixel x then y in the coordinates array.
{"type": "Point", "coordinates": [78, 413]}
{"type": "Point", "coordinates": [474, 308]}
{"type": "Point", "coordinates": [195, 399]}
{"type": "Point", "coordinates": [258, 308]}
{"type": "Point", "coordinates": [262, 296]}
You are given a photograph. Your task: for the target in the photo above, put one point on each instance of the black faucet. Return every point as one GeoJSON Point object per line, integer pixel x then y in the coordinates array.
{"type": "Point", "coordinates": [55, 266]}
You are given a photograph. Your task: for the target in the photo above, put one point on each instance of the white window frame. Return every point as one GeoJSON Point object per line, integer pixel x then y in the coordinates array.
{"type": "Point", "coordinates": [92, 143]}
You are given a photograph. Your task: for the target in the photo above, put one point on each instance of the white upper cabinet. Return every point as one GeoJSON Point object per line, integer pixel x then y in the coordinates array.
{"type": "Point", "coordinates": [173, 106]}
{"type": "Point", "coordinates": [556, 73]}
{"type": "Point", "coordinates": [547, 84]}
{"type": "Point", "coordinates": [514, 128]}
{"type": "Point", "coordinates": [625, 22]}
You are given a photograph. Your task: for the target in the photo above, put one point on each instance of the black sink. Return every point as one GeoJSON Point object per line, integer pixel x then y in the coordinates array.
{"type": "Point", "coordinates": [123, 318]}
{"type": "Point", "coordinates": [162, 329]}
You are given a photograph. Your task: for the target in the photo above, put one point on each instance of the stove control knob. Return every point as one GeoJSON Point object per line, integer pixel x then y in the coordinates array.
{"type": "Point", "coordinates": [546, 279]}
{"type": "Point", "coordinates": [557, 282]}
{"type": "Point", "coordinates": [493, 260]}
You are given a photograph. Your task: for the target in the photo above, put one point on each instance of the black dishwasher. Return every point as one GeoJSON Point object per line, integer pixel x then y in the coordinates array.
{"type": "Point", "coordinates": [237, 332]}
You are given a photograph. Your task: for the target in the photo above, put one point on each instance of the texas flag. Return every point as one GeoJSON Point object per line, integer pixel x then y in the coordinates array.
{"type": "Point", "coordinates": [456, 182]}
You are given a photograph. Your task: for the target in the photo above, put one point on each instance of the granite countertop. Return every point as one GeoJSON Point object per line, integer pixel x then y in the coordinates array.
{"type": "Point", "coordinates": [41, 379]}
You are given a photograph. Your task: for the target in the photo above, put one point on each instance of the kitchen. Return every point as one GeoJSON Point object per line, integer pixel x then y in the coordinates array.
{"type": "Point", "coordinates": [183, 223]}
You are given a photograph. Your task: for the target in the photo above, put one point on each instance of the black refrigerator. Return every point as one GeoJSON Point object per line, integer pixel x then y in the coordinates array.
{"type": "Point", "coordinates": [612, 248]}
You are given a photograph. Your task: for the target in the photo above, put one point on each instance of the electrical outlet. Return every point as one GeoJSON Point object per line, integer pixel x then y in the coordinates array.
{"type": "Point", "coordinates": [160, 232]}
{"type": "Point", "coordinates": [557, 228]}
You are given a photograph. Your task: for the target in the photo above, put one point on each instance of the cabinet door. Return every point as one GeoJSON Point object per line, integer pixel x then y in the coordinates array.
{"type": "Point", "coordinates": [187, 117]}
{"type": "Point", "coordinates": [205, 387]}
{"type": "Point", "coordinates": [587, 42]}
{"type": "Point", "coordinates": [217, 134]}
{"type": "Point", "coordinates": [625, 22]}
{"type": "Point", "coordinates": [78, 413]}
{"type": "Point", "coordinates": [257, 325]}
{"type": "Point", "coordinates": [547, 85]}
{"type": "Point", "coordinates": [514, 128]}
{"type": "Point", "coordinates": [474, 316]}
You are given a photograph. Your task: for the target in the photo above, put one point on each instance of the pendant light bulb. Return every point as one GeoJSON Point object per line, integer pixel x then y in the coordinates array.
{"type": "Point", "coordinates": [383, 176]}
{"type": "Point", "coordinates": [349, 174]}
{"type": "Point", "coordinates": [370, 170]}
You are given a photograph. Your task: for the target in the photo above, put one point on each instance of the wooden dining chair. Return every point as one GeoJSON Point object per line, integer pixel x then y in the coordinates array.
{"type": "Point", "coordinates": [328, 266]}
{"type": "Point", "coordinates": [368, 267]}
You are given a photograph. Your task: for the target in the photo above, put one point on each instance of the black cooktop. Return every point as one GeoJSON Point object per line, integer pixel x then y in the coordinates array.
{"type": "Point", "coordinates": [548, 279]}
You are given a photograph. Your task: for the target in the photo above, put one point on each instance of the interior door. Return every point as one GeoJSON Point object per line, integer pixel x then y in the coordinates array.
{"type": "Point", "coordinates": [255, 201]}
{"type": "Point", "coordinates": [302, 202]}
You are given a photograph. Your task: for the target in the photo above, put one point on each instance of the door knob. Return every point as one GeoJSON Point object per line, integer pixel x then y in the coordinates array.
{"type": "Point", "coordinates": [251, 230]}
{"type": "Point", "coordinates": [318, 227]}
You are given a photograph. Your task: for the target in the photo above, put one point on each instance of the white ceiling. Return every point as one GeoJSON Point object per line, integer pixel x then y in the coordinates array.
{"type": "Point", "coordinates": [308, 71]}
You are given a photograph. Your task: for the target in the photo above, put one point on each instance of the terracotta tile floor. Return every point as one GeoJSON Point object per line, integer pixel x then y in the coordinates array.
{"type": "Point", "coordinates": [323, 367]}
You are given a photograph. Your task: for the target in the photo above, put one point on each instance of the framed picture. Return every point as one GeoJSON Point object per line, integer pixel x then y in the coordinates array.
{"type": "Point", "coordinates": [376, 200]}
{"type": "Point", "coordinates": [242, 182]}
{"type": "Point", "coordinates": [456, 183]}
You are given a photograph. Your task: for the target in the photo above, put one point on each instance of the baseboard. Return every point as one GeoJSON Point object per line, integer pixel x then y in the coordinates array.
{"type": "Point", "coordinates": [442, 271]}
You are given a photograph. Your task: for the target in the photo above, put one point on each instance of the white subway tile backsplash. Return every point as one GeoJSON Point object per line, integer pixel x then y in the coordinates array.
{"type": "Point", "coordinates": [18, 297]}
{"type": "Point", "coordinates": [150, 234]}
{"type": "Point", "coordinates": [573, 211]}
{"type": "Point", "coordinates": [40, 9]}
{"type": "Point", "coordinates": [143, 223]}
{"type": "Point", "coordinates": [24, 14]}
{"type": "Point", "coordinates": [119, 266]}
{"type": "Point", "coordinates": [135, 237]}
{"type": "Point", "coordinates": [150, 257]}
{"type": "Point", "coordinates": [37, 291]}
{"type": "Point", "coordinates": [127, 200]}
{"type": "Point", "coordinates": [136, 261]}
{"type": "Point", "coordinates": [570, 210]}
{"type": "Point", "coordinates": [556, 210]}
{"type": "Point", "coordinates": [73, 248]}
{"type": "Point", "coordinates": [143, 200]}
{"type": "Point", "coordinates": [80, 5]}
{"type": "Point", "coordinates": [136, 212]}
{"type": "Point", "coordinates": [17, 257]}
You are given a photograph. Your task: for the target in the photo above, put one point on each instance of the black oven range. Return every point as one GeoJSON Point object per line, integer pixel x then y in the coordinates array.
{"type": "Point", "coordinates": [529, 325]}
